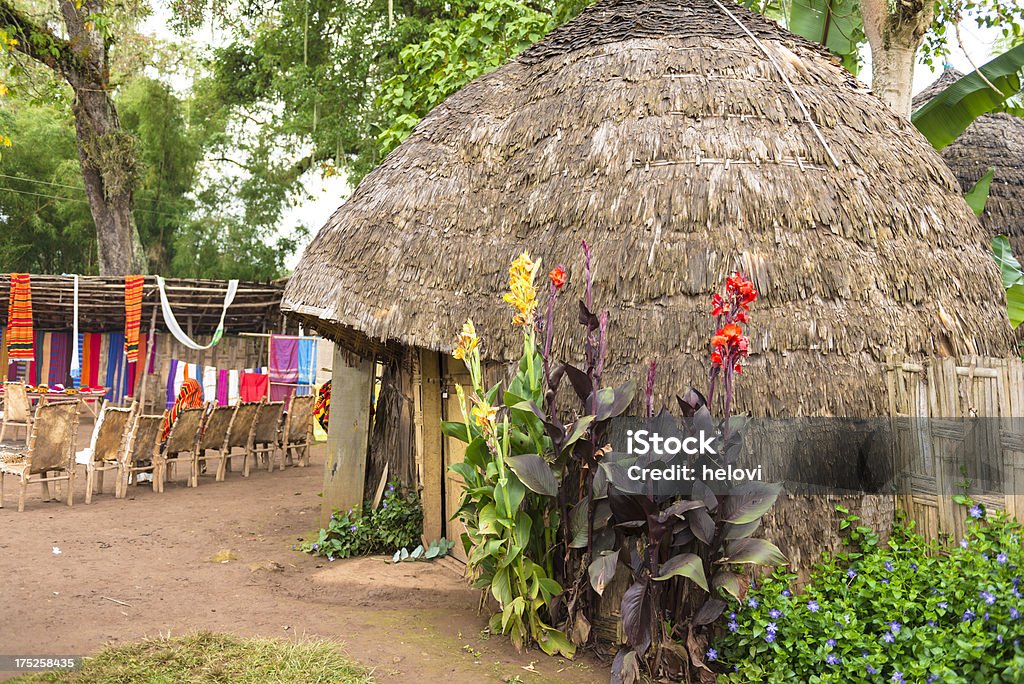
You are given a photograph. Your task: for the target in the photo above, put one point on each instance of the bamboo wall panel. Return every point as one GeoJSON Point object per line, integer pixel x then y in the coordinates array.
{"type": "Point", "coordinates": [958, 427]}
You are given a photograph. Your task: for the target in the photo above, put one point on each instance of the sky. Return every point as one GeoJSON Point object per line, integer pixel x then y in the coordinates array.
{"type": "Point", "coordinates": [327, 194]}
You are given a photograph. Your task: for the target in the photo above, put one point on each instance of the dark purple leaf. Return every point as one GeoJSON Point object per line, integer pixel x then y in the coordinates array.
{"type": "Point", "coordinates": [588, 318]}
{"type": "Point", "coordinates": [625, 507]}
{"type": "Point", "coordinates": [580, 382]}
{"type": "Point", "coordinates": [747, 502]}
{"type": "Point", "coordinates": [702, 492]}
{"type": "Point", "coordinates": [611, 402]}
{"type": "Point", "coordinates": [690, 402]}
{"type": "Point", "coordinates": [709, 612]}
{"type": "Point", "coordinates": [687, 565]}
{"type": "Point", "coordinates": [701, 523]}
{"type": "Point", "coordinates": [741, 531]}
{"type": "Point", "coordinates": [729, 581]}
{"type": "Point", "coordinates": [535, 473]}
{"type": "Point", "coordinates": [678, 508]}
{"type": "Point", "coordinates": [755, 551]}
{"type": "Point", "coordinates": [682, 537]}
{"type": "Point", "coordinates": [636, 616]}
{"type": "Point", "coordinates": [602, 570]}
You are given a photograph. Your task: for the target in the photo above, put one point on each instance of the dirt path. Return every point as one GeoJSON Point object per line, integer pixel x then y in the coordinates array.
{"type": "Point", "coordinates": [414, 622]}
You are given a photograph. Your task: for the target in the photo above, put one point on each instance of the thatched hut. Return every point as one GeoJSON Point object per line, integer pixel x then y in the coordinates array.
{"type": "Point", "coordinates": [994, 141]}
{"type": "Point", "coordinates": [682, 140]}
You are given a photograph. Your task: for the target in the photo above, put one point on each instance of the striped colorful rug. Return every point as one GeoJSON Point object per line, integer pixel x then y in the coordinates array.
{"type": "Point", "coordinates": [132, 315]}
{"type": "Point", "coordinates": [20, 342]}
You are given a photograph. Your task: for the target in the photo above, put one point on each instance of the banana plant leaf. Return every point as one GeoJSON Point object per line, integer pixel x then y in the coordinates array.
{"type": "Point", "coordinates": [977, 196]}
{"type": "Point", "coordinates": [836, 24]}
{"type": "Point", "coordinates": [949, 113]}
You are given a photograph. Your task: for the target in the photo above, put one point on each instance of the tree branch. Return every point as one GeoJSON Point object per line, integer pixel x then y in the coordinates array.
{"type": "Point", "coordinates": [37, 41]}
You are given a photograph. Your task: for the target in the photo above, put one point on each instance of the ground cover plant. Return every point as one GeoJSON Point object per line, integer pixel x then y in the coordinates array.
{"type": "Point", "coordinates": [212, 659]}
{"type": "Point", "coordinates": [907, 610]}
{"type": "Point", "coordinates": [551, 517]}
{"type": "Point", "coordinates": [363, 530]}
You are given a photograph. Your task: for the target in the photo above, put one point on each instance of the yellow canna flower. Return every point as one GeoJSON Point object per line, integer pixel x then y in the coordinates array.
{"type": "Point", "coordinates": [467, 340]}
{"type": "Point", "coordinates": [522, 294]}
{"type": "Point", "coordinates": [485, 415]}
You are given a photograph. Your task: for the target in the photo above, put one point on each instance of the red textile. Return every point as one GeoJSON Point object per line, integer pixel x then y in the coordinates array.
{"type": "Point", "coordinates": [253, 386]}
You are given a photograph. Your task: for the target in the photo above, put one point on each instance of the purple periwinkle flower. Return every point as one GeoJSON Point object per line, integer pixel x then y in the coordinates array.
{"type": "Point", "coordinates": [913, 566]}
{"type": "Point", "coordinates": [832, 659]}
{"type": "Point", "coordinates": [932, 678]}
{"type": "Point", "coordinates": [712, 654]}
{"type": "Point", "coordinates": [870, 670]}
{"type": "Point", "coordinates": [967, 616]}
{"type": "Point", "coordinates": [354, 528]}
{"type": "Point", "coordinates": [769, 637]}
{"type": "Point", "coordinates": [963, 543]}
{"type": "Point", "coordinates": [316, 547]}
{"type": "Point", "coordinates": [942, 605]}
{"type": "Point", "coordinates": [1001, 559]}
{"type": "Point", "coordinates": [384, 505]}
{"type": "Point", "coordinates": [774, 613]}
{"type": "Point", "coordinates": [885, 580]}
{"type": "Point", "coordinates": [888, 638]}
{"type": "Point", "coordinates": [888, 566]}
{"type": "Point", "coordinates": [753, 602]}
{"type": "Point", "coordinates": [897, 676]}
{"type": "Point", "coordinates": [851, 573]}
{"type": "Point", "coordinates": [999, 638]}
{"type": "Point", "coordinates": [787, 593]}
{"type": "Point", "coordinates": [831, 643]}
{"type": "Point", "coordinates": [812, 606]}
{"type": "Point", "coordinates": [975, 511]}
{"type": "Point", "coordinates": [733, 627]}
{"type": "Point", "coordinates": [932, 623]}
{"type": "Point", "coordinates": [1014, 613]}
{"type": "Point", "coordinates": [987, 597]}
{"type": "Point", "coordinates": [894, 627]}
{"type": "Point", "coordinates": [771, 628]}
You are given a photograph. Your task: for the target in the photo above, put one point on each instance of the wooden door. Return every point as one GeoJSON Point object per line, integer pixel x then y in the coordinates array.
{"type": "Point", "coordinates": [455, 373]}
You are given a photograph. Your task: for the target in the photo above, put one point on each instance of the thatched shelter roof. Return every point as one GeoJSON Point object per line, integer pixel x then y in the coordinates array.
{"type": "Point", "coordinates": [994, 141]}
{"type": "Point", "coordinates": [196, 303]}
{"type": "Point", "coordinates": [660, 132]}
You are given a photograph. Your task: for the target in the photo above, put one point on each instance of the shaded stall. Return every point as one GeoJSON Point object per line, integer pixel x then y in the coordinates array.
{"type": "Point", "coordinates": [197, 305]}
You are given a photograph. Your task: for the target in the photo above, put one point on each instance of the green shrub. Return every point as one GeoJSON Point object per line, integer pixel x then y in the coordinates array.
{"type": "Point", "coordinates": [907, 610]}
{"type": "Point", "coordinates": [362, 531]}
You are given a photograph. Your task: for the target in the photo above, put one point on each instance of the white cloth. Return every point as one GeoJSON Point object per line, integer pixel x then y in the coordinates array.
{"type": "Point", "coordinates": [233, 394]}
{"type": "Point", "coordinates": [85, 455]}
{"type": "Point", "coordinates": [210, 383]}
{"type": "Point", "coordinates": [76, 366]}
{"type": "Point", "coordinates": [179, 377]}
{"type": "Point", "coordinates": [172, 322]}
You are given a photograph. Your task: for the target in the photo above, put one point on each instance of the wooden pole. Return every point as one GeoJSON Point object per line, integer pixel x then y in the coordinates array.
{"type": "Point", "coordinates": [348, 434]}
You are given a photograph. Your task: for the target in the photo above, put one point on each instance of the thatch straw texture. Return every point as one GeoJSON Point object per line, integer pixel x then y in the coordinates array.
{"type": "Point", "coordinates": [993, 141]}
{"type": "Point", "coordinates": [659, 132]}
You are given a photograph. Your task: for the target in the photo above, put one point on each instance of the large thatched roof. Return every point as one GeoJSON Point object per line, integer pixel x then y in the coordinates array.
{"type": "Point", "coordinates": [993, 141]}
{"type": "Point", "coordinates": [660, 132]}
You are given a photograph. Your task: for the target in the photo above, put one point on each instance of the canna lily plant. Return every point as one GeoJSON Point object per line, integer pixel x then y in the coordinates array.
{"type": "Point", "coordinates": [686, 554]}
{"type": "Point", "coordinates": [510, 527]}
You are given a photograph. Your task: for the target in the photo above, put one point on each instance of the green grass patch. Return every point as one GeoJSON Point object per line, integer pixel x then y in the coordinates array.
{"type": "Point", "coordinates": [212, 658]}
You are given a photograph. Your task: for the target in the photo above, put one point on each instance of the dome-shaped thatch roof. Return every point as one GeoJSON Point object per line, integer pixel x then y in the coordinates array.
{"type": "Point", "coordinates": [993, 141]}
{"type": "Point", "coordinates": [659, 132]}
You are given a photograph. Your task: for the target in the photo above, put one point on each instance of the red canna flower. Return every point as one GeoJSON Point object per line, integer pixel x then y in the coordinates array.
{"type": "Point", "coordinates": [717, 305]}
{"type": "Point", "coordinates": [558, 277]}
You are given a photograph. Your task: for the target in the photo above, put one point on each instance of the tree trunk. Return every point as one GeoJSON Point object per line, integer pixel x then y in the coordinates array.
{"type": "Point", "coordinates": [106, 153]}
{"type": "Point", "coordinates": [894, 38]}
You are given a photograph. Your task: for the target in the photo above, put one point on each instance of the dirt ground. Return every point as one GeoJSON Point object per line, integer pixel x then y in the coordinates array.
{"type": "Point", "coordinates": [122, 570]}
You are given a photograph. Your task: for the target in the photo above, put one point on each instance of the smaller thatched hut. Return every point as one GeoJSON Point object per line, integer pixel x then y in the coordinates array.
{"type": "Point", "coordinates": [994, 141]}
